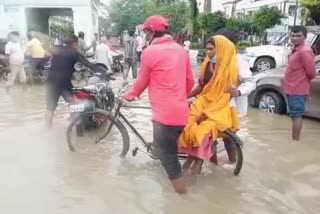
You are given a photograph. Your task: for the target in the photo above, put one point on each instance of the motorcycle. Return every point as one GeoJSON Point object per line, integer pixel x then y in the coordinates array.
{"type": "Point", "coordinates": [117, 59]}
{"type": "Point", "coordinates": [96, 95]}
{"type": "Point", "coordinates": [117, 65]}
{"type": "Point", "coordinates": [41, 74]}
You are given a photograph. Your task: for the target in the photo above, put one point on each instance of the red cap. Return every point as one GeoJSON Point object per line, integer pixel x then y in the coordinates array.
{"type": "Point", "coordinates": [156, 23]}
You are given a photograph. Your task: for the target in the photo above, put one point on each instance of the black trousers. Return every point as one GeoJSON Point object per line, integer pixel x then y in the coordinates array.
{"type": "Point", "coordinates": [54, 91]}
{"type": "Point", "coordinates": [165, 139]}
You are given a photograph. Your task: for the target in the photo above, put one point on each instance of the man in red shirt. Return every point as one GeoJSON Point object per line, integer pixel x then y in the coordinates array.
{"type": "Point", "coordinates": [166, 72]}
{"type": "Point", "coordinates": [300, 71]}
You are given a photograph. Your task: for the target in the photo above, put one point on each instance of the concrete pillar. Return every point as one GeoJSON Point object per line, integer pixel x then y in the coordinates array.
{"type": "Point", "coordinates": [82, 21]}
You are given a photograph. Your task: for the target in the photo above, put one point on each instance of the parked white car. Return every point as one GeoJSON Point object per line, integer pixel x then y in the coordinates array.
{"type": "Point", "coordinates": [266, 57]}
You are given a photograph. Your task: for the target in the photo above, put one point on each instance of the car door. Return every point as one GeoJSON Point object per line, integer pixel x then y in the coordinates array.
{"type": "Point", "coordinates": [313, 105]}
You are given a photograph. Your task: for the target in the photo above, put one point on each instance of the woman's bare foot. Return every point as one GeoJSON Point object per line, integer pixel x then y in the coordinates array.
{"type": "Point", "coordinates": [214, 159]}
{"type": "Point", "coordinates": [179, 185]}
{"type": "Point", "coordinates": [186, 166]}
{"type": "Point", "coordinates": [188, 163]}
{"type": "Point", "coordinates": [196, 167]}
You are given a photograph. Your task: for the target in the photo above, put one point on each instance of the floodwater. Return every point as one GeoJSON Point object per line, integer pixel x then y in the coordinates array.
{"type": "Point", "coordinates": [40, 175]}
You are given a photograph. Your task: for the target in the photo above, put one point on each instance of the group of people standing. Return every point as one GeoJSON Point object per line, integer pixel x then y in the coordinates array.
{"type": "Point", "coordinates": [16, 56]}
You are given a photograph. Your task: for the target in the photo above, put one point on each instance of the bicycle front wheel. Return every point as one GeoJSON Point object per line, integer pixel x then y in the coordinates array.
{"type": "Point", "coordinates": [91, 131]}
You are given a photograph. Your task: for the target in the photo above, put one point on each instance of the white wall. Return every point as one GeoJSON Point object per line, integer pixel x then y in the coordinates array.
{"type": "Point", "coordinates": [215, 5]}
{"type": "Point", "coordinates": [83, 21]}
{"type": "Point", "coordinates": [227, 9]}
{"type": "Point", "coordinates": [60, 3]}
{"type": "Point", "coordinates": [14, 17]}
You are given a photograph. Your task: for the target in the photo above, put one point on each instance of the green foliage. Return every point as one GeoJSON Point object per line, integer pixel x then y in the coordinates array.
{"type": "Point", "coordinates": [267, 17]}
{"type": "Point", "coordinates": [183, 15]}
{"type": "Point", "coordinates": [127, 14]}
{"type": "Point", "coordinates": [195, 45]}
{"type": "Point", "coordinates": [243, 44]}
{"type": "Point", "coordinates": [245, 24]}
{"type": "Point", "coordinates": [172, 12]}
{"type": "Point", "coordinates": [312, 3]}
{"type": "Point", "coordinates": [314, 9]}
{"type": "Point", "coordinates": [212, 22]}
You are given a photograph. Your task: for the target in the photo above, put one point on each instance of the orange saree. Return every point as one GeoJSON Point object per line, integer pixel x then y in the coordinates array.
{"type": "Point", "coordinates": [214, 101]}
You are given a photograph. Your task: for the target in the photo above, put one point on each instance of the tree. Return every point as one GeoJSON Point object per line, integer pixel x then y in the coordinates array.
{"type": "Point", "coordinates": [127, 14]}
{"type": "Point", "coordinates": [212, 22]}
{"type": "Point", "coordinates": [245, 24]}
{"type": "Point", "coordinates": [173, 12]}
{"type": "Point", "coordinates": [314, 9]}
{"type": "Point", "coordinates": [194, 12]}
{"type": "Point", "coordinates": [267, 17]}
{"type": "Point", "coordinates": [161, 2]}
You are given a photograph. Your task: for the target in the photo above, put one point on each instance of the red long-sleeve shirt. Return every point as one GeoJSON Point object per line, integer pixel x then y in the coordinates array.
{"type": "Point", "coordinates": [166, 72]}
{"type": "Point", "coordinates": [300, 71]}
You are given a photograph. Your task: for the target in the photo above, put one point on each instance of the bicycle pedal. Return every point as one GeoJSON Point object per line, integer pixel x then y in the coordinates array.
{"type": "Point", "coordinates": [135, 151]}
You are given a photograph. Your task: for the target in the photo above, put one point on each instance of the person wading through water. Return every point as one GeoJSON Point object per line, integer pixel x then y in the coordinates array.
{"type": "Point", "coordinates": [130, 57]}
{"type": "Point", "coordinates": [296, 84]}
{"type": "Point", "coordinates": [166, 72]}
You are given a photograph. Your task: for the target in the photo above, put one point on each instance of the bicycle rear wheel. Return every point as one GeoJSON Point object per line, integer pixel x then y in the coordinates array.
{"type": "Point", "coordinates": [231, 152]}
{"type": "Point", "coordinates": [90, 128]}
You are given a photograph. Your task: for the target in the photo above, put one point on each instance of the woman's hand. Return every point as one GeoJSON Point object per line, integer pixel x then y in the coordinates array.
{"type": "Point", "coordinates": [190, 101]}
{"type": "Point", "coordinates": [196, 91]}
{"type": "Point", "coordinates": [234, 92]}
{"type": "Point", "coordinates": [201, 118]}
{"type": "Point", "coordinates": [201, 81]}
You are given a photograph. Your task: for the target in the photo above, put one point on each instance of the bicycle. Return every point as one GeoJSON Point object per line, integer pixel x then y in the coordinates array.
{"type": "Point", "coordinates": [116, 118]}
{"type": "Point", "coordinates": [89, 110]}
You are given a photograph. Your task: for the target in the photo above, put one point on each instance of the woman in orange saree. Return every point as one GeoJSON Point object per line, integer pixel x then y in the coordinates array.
{"type": "Point", "coordinates": [212, 113]}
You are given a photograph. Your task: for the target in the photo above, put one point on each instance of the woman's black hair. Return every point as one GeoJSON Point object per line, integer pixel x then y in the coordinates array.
{"type": "Point", "coordinates": [230, 33]}
{"type": "Point", "coordinates": [211, 41]}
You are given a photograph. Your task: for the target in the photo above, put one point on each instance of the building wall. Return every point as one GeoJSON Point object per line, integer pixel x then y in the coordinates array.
{"type": "Point", "coordinates": [13, 15]}
{"type": "Point", "coordinates": [82, 21]}
{"type": "Point", "coordinates": [215, 5]}
{"type": "Point", "coordinates": [249, 7]}
{"type": "Point", "coordinates": [12, 19]}
{"type": "Point", "coordinates": [52, 3]}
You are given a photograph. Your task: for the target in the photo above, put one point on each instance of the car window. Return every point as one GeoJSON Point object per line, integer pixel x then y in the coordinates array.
{"type": "Point", "coordinates": [318, 66]}
{"type": "Point", "coordinates": [316, 46]}
{"type": "Point", "coordinates": [310, 38]}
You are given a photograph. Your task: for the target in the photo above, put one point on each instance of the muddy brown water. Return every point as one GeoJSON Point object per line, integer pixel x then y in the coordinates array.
{"type": "Point", "coordinates": [40, 175]}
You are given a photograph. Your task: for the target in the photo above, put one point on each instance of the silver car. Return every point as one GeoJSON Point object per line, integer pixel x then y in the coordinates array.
{"type": "Point", "coordinates": [269, 96]}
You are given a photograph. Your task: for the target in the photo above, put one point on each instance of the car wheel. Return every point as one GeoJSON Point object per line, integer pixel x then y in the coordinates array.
{"type": "Point", "coordinates": [271, 102]}
{"type": "Point", "coordinates": [264, 64]}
